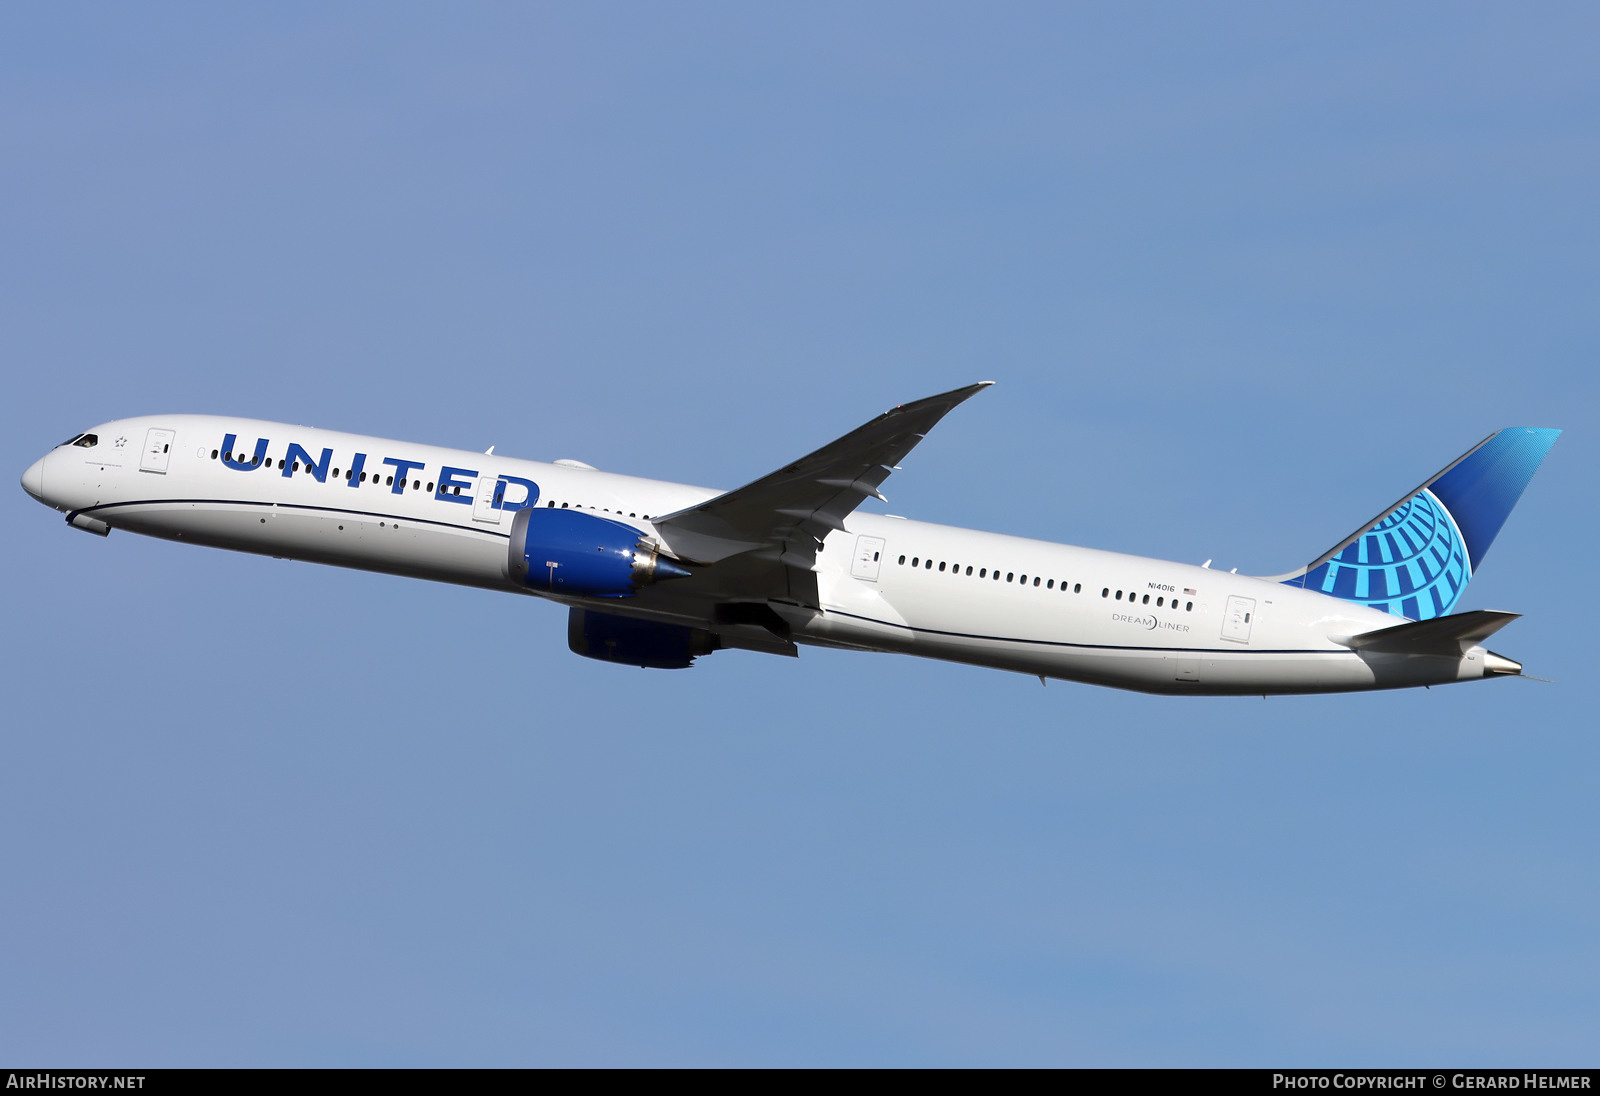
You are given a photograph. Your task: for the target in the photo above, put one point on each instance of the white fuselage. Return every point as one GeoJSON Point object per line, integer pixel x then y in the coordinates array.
{"type": "Point", "coordinates": [883, 583]}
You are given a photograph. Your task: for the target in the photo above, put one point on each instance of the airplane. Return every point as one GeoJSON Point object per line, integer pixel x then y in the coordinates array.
{"type": "Point", "coordinates": [658, 574]}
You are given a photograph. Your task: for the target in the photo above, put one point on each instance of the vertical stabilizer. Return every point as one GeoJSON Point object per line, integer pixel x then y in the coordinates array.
{"type": "Point", "coordinates": [1416, 558]}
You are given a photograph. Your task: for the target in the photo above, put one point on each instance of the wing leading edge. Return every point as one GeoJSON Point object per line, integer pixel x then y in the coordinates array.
{"type": "Point", "coordinates": [788, 512]}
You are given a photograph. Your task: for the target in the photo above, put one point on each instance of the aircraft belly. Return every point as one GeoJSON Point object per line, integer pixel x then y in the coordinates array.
{"type": "Point", "coordinates": [1095, 657]}
{"type": "Point", "coordinates": [412, 548]}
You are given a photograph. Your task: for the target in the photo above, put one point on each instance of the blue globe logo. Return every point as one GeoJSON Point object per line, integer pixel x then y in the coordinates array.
{"type": "Point", "coordinates": [1413, 563]}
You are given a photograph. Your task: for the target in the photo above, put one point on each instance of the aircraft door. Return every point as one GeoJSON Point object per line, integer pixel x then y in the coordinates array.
{"type": "Point", "coordinates": [157, 450]}
{"type": "Point", "coordinates": [1236, 621]}
{"type": "Point", "coordinates": [491, 492]}
{"type": "Point", "coordinates": [868, 557]}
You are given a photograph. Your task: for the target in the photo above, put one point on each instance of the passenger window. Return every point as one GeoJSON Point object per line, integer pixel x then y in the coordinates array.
{"type": "Point", "coordinates": [1188, 607]}
{"type": "Point", "coordinates": [1158, 603]}
{"type": "Point", "coordinates": [1036, 580]}
{"type": "Point", "coordinates": [1051, 585]}
{"type": "Point", "coordinates": [1009, 574]}
{"type": "Point", "coordinates": [1077, 587]}
{"type": "Point", "coordinates": [983, 572]}
{"type": "Point", "coordinates": [902, 561]}
{"type": "Point", "coordinates": [1146, 600]}
{"type": "Point", "coordinates": [969, 571]}
{"type": "Point", "coordinates": [927, 565]}
{"type": "Point", "coordinates": [941, 566]}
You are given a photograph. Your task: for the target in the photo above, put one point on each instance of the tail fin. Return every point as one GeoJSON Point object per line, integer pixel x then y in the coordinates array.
{"type": "Point", "coordinates": [1415, 559]}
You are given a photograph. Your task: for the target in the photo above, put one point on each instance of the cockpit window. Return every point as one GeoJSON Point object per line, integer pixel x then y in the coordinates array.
{"type": "Point", "coordinates": [88, 441]}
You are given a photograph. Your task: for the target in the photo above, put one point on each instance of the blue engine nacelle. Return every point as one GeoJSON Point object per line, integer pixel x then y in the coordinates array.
{"type": "Point", "coordinates": [636, 642]}
{"type": "Point", "coordinates": [571, 552]}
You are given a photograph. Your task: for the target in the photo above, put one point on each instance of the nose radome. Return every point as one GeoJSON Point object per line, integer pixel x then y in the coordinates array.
{"type": "Point", "coordinates": [33, 479]}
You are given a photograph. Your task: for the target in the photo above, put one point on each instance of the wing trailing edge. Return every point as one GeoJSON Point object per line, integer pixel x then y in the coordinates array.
{"type": "Point", "coordinates": [788, 512]}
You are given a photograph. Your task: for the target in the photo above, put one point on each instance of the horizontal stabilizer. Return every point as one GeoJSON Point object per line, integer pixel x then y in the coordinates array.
{"type": "Point", "coordinates": [1446, 635]}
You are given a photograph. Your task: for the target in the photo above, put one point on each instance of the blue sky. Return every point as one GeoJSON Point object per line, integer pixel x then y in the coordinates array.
{"type": "Point", "coordinates": [1244, 274]}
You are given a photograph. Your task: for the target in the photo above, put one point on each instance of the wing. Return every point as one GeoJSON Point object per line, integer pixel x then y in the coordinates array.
{"type": "Point", "coordinates": [788, 512]}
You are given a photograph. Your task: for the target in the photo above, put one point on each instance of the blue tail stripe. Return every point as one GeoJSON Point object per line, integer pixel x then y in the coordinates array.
{"type": "Point", "coordinates": [1344, 583]}
{"type": "Point", "coordinates": [1403, 582]}
{"type": "Point", "coordinates": [1418, 558]}
{"type": "Point", "coordinates": [1481, 490]}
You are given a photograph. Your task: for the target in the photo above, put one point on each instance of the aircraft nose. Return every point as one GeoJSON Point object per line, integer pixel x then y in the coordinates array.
{"type": "Point", "coordinates": [33, 480]}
